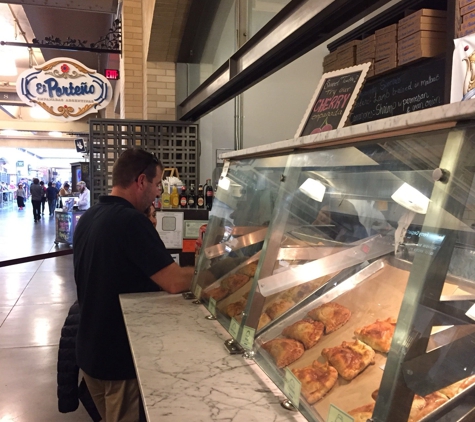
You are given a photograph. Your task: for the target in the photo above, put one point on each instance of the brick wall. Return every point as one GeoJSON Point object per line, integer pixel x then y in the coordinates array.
{"type": "Point", "coordinates": [161, 91]}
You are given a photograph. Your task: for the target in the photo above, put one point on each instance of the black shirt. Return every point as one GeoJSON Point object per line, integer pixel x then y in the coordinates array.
{"type": "Point", "coordinates": [116, 250]}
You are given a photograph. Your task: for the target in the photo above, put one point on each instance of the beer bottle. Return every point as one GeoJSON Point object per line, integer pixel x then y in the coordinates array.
{"type": "Point", "coordinates": [200, 197]}
{"type": "Point", "coordinates": [191, 197]}
{"type": "Point", "coordinates": [183, 197]}
{"type": "Point", "coordinates": [209, 194]}
{"type": "Point", "coordinates": [174, 197]}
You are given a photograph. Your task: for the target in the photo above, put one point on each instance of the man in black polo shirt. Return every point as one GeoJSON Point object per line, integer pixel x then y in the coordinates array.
{"type": "Point", "coordinates": [117, 250]}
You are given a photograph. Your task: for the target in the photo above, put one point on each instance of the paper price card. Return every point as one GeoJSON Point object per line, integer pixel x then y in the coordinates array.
{"type": "Point", "coordinates": [234, 328]}
{"type": "Point", "coordinates": [292, 387]}
{"type": "Point", "coordinates": [471, 312]}
{"type": "Point", "coordinates": [224, 172]}
{"type": "Point", "coordinates": [212, 306]}
{"type": "Point", "coordinates": [198, 291]}
{"type": "Point", "coordinates": [337, 415]}
{"type": "Point", "coordinates": [247, 337]}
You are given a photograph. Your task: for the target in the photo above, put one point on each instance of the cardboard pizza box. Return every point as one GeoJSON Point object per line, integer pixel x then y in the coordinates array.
{"type": "Point", "coordinates": [352, 43]}
{"type": "Point", "coordinates": [424, 50]}
{"type": "Point", "coordinates": [469, 16]}
{"type": "Point", "coordinates": [464, 3]}
{"type": "Point", "coordinates": [467, 24]}
{"type": "Point", "coordinates": [386, 29]}
{"type": "Point", "coordinates": [385, 50]}
{"type": "Point", "coordinates": [387, 38]}
{"type": "Point", "coordinates": [421, 37]}
{"type": "Point", "coordinates": [330, 58]}
{"type": "Point", "coordinates": [384, 65]}
{"type": "Point", "coordinates": [369, 48]}
{"type": "Point", "coordinates": [347, 54]}
{"type": "Point", "coordinates": [466, 32]}
{"type": "Point", "coordinates": [422, 23]}
{"type": "Point", "coordinates": [467, 9]}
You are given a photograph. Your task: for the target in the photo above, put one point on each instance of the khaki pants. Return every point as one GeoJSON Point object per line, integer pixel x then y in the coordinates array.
{"type": "Point", "coordinates": [116, 401]}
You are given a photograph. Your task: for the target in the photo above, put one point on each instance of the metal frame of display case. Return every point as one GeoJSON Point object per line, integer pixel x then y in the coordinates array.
{"type": "Point", "coordinates": [408, 364]}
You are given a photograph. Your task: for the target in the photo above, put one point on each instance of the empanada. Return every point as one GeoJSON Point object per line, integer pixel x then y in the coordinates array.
{"type": "Point", "coordinates": [307, 331]}
{"type": "Point", "coordinates": [278, 308]}
{"type": "Point", "coordinates": [377, 335]}
{"type": "Point", "coordinates": [333, 316]}
{"type": "Point", "coordinates": [317, 380]}
{"type": "Point", "coordinates": [284, 350]}
{"type": "Point", "coordinates": [217, 293]}
{"type": "Point", "coordinates": [234, 282]}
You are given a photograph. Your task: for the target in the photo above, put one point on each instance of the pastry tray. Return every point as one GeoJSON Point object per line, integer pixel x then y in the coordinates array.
{"type": "Point", "coordinates": [376, 292]}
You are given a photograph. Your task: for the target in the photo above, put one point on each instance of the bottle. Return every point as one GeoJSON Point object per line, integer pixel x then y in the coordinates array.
{"type": "Point", "coordinates": [156, 202]}
{"type": "Point", "coordinates": [183, 198]}
{"type": "Point", "coordinates": [209, 194]}
{"type": "Point", "coordinates": [174, 197]}
{"type": "Point", "coordinates": [200, 197]}
{"type": "Point", "coordinates": [165, 196]}
{"type": "Point", "coordinates": [191, 197]}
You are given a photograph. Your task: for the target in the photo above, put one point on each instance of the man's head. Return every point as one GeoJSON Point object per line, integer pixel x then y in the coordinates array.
{"type": "Point", "coordinates": [136, 176]}
{"type": "Point", "coordinates": [81, 186]}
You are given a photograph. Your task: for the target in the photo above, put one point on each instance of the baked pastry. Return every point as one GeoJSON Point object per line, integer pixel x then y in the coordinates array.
{"type": "Point", "coordinates": [316, 379]}
{"type": "Point", "coordinates": [333, 316]}
{"type": "Point", "coordinates": [279, 307]}
{"type": "Point", "coordinates": [378, 335]}
{"type": "Point", "coordinates": [362, 413]}
{"type": "Point", "coordinates": [236, 308]}
{"type": "Point", "coordinates": [249, 269]}
{"type": "Point", "coordinates": [263, 320]}
{"type": "Point", "coordinates": [467, 382]}
{"type": "Point", "coordinates": [217, 293]}
{"type": "Point", "coordinates": [418, 403]}
{"type": "Point", "coordinates": [234, 282]}
{"type": "Point", "coordinates": [432, 402]}
{"type": "Point", "coordinates": [307, 331]}
{"type": "Point", "coordinates": [350, 358]}
{"type": "Point", "coordinates": [284, 350]}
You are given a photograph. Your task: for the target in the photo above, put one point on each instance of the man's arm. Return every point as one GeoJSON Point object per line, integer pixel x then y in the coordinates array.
{"type": "Point", "coordinates": [174, 279]}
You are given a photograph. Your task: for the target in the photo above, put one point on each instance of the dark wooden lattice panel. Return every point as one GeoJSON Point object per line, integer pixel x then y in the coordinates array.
{"type": "Point", "coordinates": [176, 144]}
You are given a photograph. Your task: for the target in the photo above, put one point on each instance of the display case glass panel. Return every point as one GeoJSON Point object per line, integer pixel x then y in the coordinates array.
{"type": "Point", "coordinates": [369, 242]}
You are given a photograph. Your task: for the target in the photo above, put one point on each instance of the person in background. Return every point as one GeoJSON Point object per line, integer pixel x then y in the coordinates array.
{"type": "Point", "coordinates": [52, 195]}
{"type": "Point", "coordinates": [84, 201]}
{"type": "Point", "coordinates": [151, 214]}
{"type": "Point", "coordinates": [37, 193]}
{"type": "Point", "coordinates": [64, 191]}
{"type": "Point", "coordinates": [20, 196]}
{"type": "Point", "coordinates": [43, 198]}
{"type": "Point", "coordinates": [117, 251]}
{"type": "Point", "coordinates": [58, 184]}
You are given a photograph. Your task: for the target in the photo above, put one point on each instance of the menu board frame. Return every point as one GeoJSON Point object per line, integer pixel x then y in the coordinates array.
{"type": "Point", "coordinates": [332, 96]}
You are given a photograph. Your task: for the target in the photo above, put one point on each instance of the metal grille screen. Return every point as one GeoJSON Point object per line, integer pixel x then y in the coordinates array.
{"type": "Point", "coordinates": [175, 144]}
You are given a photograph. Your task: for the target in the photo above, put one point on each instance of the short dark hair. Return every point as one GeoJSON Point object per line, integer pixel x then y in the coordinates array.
{"type": "Point", "coordinates": [50, 184]}
{"type": "Point", "coordinates": [131, 164]}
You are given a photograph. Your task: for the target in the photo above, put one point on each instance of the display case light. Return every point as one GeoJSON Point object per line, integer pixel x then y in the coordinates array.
{"type": "Point", "coordinates": [55, 134]}
{"type": "Point", "coordinates": [314, 189]}
{"type": "Point", "coordinates": [224, 183]}
{"type": "Point", "coordinates": [411, 198]}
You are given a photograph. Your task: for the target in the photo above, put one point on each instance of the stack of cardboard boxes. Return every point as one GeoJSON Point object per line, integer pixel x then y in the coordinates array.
{"type": "Point", "coordinates": [421, 34]}
{"type": "Point", "coordinates": [365, 52]}
{"type": "Point", "coordinates": [386, 49]}
{"type": "Point", "coordinates": [467, 12]}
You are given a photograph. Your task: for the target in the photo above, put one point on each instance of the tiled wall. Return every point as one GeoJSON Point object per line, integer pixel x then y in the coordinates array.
{"type": "Point", "coordinates": [161, 91]}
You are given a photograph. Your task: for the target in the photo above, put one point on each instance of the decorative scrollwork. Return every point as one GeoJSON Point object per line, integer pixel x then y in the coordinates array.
{"type": "Point", "coordinates": [111, 41]}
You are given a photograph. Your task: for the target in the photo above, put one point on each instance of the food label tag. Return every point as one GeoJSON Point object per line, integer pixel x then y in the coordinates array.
{"type": "Point", "coordinates": [198, 291]}
{"type": "Point", "coordinates": [337, 415]}
{"type": "Point", "coordinates": [234, 328]}
{"type": "Point", "coordinates": [225, 168]}
{"type": "Point", "coordinates": [292, 387]}
{"type": "Point", "coordinates": [247, 337]}
{"type": "Point", "coordinates": [212, 306]}
{"type": "Point", "coordinates": [471, 312]}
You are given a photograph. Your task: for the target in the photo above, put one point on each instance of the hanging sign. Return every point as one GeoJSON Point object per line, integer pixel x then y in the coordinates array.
{"type": "Point", "coordinates": [333, 100]}
{"type": "Point", "coordinates": [64, 88]}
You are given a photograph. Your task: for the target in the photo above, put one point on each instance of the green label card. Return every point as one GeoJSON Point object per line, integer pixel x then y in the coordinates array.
{"type": "Point", "coordinates": [337, 415]}
{"type": "Point", "coordinates": [292, 387]}
{"type": "Point", "coordinates": [247, 337]}
{"type": "Point", "coordinates": [212, 306]}
{"type": "Point", "coordinates": [234, 328]}
{"type": "Point", "coordinates": [198, 291]}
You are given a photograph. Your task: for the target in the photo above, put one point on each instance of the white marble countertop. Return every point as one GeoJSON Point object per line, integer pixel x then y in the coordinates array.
{"type": "Point", "coordinates": [184, 371]}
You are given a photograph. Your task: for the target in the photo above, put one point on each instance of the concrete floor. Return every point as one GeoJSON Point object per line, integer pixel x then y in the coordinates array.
{"type": "Point", "coordinates": [34, 301]}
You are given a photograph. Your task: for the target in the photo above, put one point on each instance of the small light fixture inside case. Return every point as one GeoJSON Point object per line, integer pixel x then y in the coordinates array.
{"type": "Point", "coordinates": [411, 198]}
{"type": "Point", "coordinates": [314, 189]}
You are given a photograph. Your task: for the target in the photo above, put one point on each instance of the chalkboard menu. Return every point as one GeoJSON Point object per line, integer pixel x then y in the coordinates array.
{"type": "Point", "coordinates": [333, 99]}
{"type": "Point", "coordinates": [411, 89]}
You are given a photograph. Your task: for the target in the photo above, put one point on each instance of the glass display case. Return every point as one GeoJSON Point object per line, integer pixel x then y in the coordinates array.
{"type": "Point", "coordinates": [362, 294]}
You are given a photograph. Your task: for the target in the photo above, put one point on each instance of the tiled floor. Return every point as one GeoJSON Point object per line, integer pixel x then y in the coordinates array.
{"type": "Point", "coordinates": [34, 300]}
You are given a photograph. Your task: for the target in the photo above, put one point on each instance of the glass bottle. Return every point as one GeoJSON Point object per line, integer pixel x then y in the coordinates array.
{"type": "Point", "coordinates": [183, 198]}
{"type": "Point", "coordinates": [200, 197]}
{"type": "Point", "coordinates": [209, 194]}
{"type": "Point", "coordinates": [174, 197]}
{"type": "Point", "coordinates": [191, 197]}
{"type": "Point", "coordinates": [165, 196]}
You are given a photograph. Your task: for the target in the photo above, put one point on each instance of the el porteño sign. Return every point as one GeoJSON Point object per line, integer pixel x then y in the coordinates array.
{"type": "Point", "coordinates": [64, 88]}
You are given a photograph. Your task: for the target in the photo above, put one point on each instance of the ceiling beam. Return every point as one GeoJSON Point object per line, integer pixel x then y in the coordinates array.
{"type": "Point", "coordinates": [103, 6]}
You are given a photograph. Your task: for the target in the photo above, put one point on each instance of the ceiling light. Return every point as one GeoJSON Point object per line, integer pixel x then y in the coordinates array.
{"type": "Point", "coordinates": [38, 113]}
{"type": "Point", "coordinates": [411, 198]}
{"type": "Point", "coordinates": [10, 132]}
{"type": "Point", "coordinates": [314, 189]}
{"type": "Point", "coordinates": [55, 134]}
{"type": "Point", "coordinates": [7, 65]}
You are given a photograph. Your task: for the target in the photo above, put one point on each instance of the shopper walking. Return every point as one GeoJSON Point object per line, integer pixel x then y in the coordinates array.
{"type": "Point", "coordinates": [37, 193]}
{"type": "Point", "coordinates": [84, 201]}
{"type": "Point", "coordinates": [20, 196]}
{"type": "Point", "coordinates": [44, 198]}
{"type": "Point", "coordinates": [52, 195]}
{"type": "Point", "coordinates": [116, 251]}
